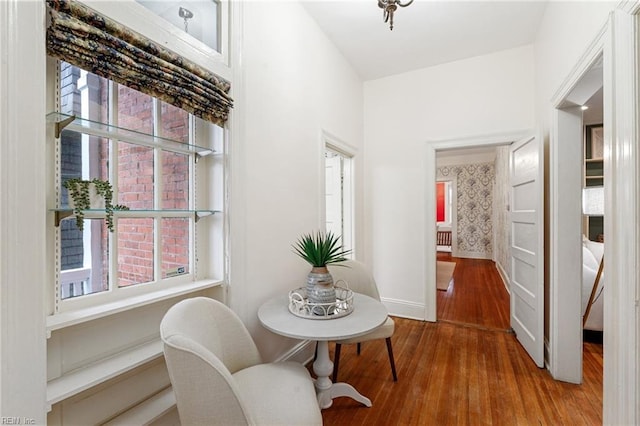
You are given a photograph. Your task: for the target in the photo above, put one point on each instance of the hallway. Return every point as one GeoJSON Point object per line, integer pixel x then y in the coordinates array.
{"type": "Point", "coordinates": [465, 369]}
{"type": "Point", "coordinates": [476, 295]}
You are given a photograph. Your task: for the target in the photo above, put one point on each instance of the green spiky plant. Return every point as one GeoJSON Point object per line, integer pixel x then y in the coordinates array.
{"type": "Point", "coordinates": [320, 249]}
{"type": "Point", "coordinates": [79, 191]}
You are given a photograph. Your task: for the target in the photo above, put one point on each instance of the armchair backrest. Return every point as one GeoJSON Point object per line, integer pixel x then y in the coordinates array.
{"type": "Point", "coordinates": [357, 275]}
{"type": "Point", "coordinates": [204, 344]}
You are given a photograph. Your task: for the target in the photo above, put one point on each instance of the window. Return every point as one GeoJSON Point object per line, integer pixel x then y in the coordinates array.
{"type": "Point", "coordinates": [198, 18]}
{"type": "Point", "coordinates": [338, 195]}
{"type": "Point", "coordinates": [158, 242]}
{"type": "Point", "coordinates": [443, 202]}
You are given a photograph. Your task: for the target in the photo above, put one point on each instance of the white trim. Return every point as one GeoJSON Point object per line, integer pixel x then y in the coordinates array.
{"type": "Point", "coordinates": [565, 255]}
{"type": "Point", "coordinates": [622, 177]}
{"type": "Point", "coordinates": [431, 146]}
{"type": "Point", "coordinates": [504, 277]}
{"type": "Point", "coordinates": [632, 7]}
{"type": "Point", "coordinates": [301, 352]}
{"type": "Point", "coordinates": [148, 411]}
{"type": "Point", "coordinates": [564, 342]}
{"type": "Point", "coordinates": [79, 316]}
{"type": "Point", "coordinates": [489, 139]}
{"type": "Point", "coordinates": [404, 308]}
{"type": "Point", "coordinates": [473, 255]}
{"type": "Point", "coordinates": [84, 378]}
{"type": "Point", "coordinates": [586, 61]}
{"type": "Point", "coordinates": [348, 152]}
{"type": "Point", "coordinates": [152, 26]}
{"type": "Point", "coordinates": [23, 210]}
{"type": "Point", "coordinates": [337, 144]}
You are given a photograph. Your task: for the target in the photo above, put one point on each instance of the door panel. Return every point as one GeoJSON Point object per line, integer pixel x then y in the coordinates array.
{"type": "Point", "coordinates": [527, 295]}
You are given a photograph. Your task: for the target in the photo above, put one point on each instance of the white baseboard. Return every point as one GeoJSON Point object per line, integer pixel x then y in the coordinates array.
{"type": "Point", "coordinates": [472, 255]}
{"type": "Point", "coordinates": [404, 309]}
{"type": "Point", "coordinates": [302, 352]}
{"type": "Point", "coordinates": [505, 278]}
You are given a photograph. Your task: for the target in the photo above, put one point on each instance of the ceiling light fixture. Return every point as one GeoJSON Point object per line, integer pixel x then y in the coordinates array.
{"type": "Point", "coordinates": [390, 6]}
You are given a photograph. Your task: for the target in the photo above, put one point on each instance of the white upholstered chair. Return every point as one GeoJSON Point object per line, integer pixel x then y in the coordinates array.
{"type": "Point", "coordinates": [359, 279]}
{"type": "Point", "coordinates": [218, 376]}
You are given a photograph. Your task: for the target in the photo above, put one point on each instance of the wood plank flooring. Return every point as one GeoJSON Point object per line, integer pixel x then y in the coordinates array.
{"type": "Point", "coordinates": [476, 295]}
{"type": "Point", "coordinates": [457, 373]}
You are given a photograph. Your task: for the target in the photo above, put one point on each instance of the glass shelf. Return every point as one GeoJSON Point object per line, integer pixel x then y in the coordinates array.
{"type": "Point", "coordinates": [95, 128]}
{"type": "Point", "coordinates": [61, 214]}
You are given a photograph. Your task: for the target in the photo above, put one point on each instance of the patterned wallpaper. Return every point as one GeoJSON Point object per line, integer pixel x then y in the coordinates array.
{"type": "Point", "coordinates": [502, 251]}
{"type": "Point", "coordinates": [474, 207]}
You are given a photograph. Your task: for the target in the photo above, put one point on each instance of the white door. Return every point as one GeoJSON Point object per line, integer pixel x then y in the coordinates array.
{"type": "Point", "coordinates": [527, 245]}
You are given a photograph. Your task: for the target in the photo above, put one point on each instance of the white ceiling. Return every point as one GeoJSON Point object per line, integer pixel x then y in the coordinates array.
{"type": "Point", "coordinates": [425, 33]}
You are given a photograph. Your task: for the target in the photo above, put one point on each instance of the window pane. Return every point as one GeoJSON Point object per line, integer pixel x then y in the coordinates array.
{"type": "Point", "coordinates": [174, 123]}
{"type": "Point", "coordinates": [83, 258]}
{"type": "Point", "coordinates": [175, 246]}
{"type": "Point", "coordinates": [135, 251]}
{"type": "Point", "coordinates": [135, 110]}
{"type": "Point", "coordinates": [83, 254]}
{"type": "Point", "coordinates": [135, 176]}
{"type": "Point", "coordinates": [198, 18]}
{"type": "Point", "coordinates": [175, 181]}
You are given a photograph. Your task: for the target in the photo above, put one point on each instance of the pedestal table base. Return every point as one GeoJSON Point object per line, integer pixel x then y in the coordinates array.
{"type": "Point", "coordinates": [325, 389]}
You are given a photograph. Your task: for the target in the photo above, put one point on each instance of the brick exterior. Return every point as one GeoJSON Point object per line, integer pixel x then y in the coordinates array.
{"type": "Point", "coordinates": [135, 237]}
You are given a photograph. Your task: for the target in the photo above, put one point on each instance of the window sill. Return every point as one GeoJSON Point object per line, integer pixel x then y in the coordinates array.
{"type": "Point", "coordinates": [67, 319]}
{"type": "Point", "coordinates": [82, 379]}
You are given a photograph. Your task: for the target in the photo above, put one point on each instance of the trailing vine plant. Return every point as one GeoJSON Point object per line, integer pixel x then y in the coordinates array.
{"type": "Point", "coordinates": [79, 191]}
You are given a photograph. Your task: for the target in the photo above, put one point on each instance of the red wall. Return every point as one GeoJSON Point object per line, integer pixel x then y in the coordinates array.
{"type": "Point", "coordinates": [440, 202]}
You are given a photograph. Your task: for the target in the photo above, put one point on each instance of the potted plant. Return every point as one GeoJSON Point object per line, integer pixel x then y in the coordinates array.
{"type": "Point", "coordinates": [91, 194]}
{"type": "Point", "coordinates": [319, 250]}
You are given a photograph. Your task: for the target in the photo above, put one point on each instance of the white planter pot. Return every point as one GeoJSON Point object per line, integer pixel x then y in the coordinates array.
{"type": "Point", "coordinates": [96, 201]}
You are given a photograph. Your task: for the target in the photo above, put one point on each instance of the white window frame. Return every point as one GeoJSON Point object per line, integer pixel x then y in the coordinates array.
{"type": "Point", "coordinates": [152, 26]}
{"type": "Point", "coordinates": [209, 240]}
{"type": "Point", "coordinates": [347, 152]}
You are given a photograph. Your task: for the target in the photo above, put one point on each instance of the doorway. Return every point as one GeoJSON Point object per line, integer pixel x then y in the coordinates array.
{"type": "Point", "coordinates": [467, 279]}
{"type": "Point", "coordinates": [571, 171]}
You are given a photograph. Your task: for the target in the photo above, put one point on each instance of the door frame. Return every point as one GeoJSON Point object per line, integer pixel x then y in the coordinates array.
{"type": "Point", "coordinates": [564, 345]}
{"type": "Point", "coordinates": [618, 43]}
{"type": "Point", "coordinates": [431, 146]}
{"type": "Point", "coordinates": [621, 167]}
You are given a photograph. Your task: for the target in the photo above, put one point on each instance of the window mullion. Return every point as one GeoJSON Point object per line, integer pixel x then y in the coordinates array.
{"type": "Point", "coordinates": [113, 178]}
{"type": "Point", "coordinates": [157, 192]}
{"type": "Point", "coordinates": [193, 253]}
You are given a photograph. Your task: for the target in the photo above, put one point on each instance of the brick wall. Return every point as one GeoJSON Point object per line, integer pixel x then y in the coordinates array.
{"type": "Point", "coordinates": [135, 184]}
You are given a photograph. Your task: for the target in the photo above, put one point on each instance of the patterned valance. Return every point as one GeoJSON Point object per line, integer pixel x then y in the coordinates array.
{"type": "Point", "coordinates": [95, 43]}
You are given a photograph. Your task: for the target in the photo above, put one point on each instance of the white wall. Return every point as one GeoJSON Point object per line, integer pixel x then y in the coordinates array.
{"type": "Point", "coordinates": [563, 37]}
{"type": "Point", "coordinates": [296, 84]}
{"type": "Point", "coordinates": [483, 95]}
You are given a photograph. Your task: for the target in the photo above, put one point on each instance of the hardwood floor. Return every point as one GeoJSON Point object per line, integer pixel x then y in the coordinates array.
{"type": "Point", "coordinates": [476, 295]}
{"type": "Point", "coordinates": [466, 369]}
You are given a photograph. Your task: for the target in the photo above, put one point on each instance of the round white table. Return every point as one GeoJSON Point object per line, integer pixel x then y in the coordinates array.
{"type": "Point", "coordinates": [368, 314]}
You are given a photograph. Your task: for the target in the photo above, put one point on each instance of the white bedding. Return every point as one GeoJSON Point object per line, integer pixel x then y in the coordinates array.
{"type": "Point", "coordinates": [591, 254]}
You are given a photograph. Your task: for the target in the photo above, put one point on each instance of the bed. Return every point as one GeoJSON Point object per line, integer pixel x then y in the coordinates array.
{"type": "Point", "coordinates": [592, 253]}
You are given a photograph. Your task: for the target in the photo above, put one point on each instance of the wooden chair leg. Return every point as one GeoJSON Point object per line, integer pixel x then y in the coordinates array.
{"type": "Point", "coordinates": [336, 361]}
{"type": "Point", "coordinates": [391, 360]}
